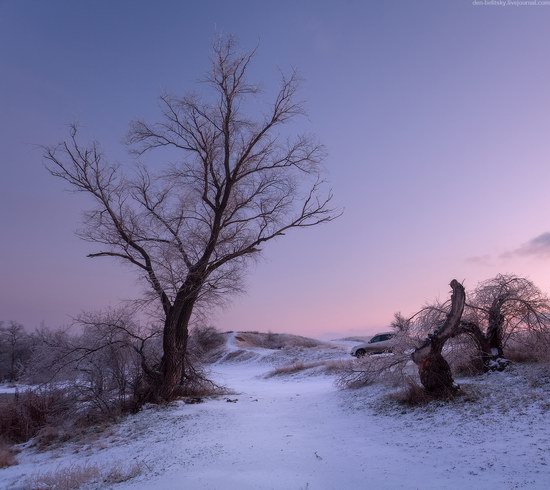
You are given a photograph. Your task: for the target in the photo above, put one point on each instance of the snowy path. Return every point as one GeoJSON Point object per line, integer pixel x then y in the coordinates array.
{"type": "Point", "coordinates": [301, 433]}
{"type": "Point", "coordinates": [283, 435]}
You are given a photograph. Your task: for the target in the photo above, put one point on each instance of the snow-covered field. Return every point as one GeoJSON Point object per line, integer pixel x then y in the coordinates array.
{"type": "Point", "coordinates": [300, 432]}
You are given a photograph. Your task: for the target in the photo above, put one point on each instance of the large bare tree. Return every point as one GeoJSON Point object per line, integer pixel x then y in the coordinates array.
{"type": "Point", "coordinates": [190, 228]}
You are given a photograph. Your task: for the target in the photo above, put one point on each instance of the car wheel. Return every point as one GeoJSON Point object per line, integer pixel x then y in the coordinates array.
{"type": "Point", "coordinates": [360, 352]}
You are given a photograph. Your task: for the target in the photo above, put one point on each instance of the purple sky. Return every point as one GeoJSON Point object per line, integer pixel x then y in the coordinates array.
{"type": "Point", "coordinates": [436, 116]}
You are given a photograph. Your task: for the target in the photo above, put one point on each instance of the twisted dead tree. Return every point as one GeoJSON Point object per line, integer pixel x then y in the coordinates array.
{"type": "Point", "coordinates": [502, 307]}
{"type": "Point", "coordinates": [190, 229]}
{"type": "Point", "coordinates": [435, 372]}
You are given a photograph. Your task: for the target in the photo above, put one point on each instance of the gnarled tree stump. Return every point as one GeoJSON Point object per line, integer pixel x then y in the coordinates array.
{"type": "Point", "coordinates": [435, 373]}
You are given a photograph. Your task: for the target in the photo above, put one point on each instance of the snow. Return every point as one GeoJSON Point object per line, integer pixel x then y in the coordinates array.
{"type": "Point", "coordinates": [13, 388]}
{"type": "Point", "coordinates": [300, 432]}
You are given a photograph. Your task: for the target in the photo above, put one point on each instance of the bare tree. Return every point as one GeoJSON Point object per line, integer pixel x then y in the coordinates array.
{"type": "Point", "coordinates": [191, 228]}
{"type": "Point", "coordinates": [501, 308]}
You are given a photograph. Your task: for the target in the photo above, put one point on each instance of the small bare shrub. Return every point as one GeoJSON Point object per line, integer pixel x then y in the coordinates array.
{"type": "Point", "coordinates": [7, 455]}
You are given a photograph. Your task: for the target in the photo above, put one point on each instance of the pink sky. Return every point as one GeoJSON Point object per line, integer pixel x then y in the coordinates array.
{"type": "Point", "coordinates": [435, 116]}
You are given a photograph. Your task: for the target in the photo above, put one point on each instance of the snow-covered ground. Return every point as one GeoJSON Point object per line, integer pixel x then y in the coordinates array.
{"type": "Point", "coordinates": [300, 432]}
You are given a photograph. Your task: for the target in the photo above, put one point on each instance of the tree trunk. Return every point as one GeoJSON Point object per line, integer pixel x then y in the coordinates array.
{"type": "Point", "coordinates": [489, 345]}
{"type": "Point", "coordinates": [175, 336]}
{"type": "Point", "coordinates": [494, 330]}
{"type": "Point", "coordinates": [435, 373]}
{"type": "Point", "coordinates": [476, 334]}
{"type": "Point", "coordinates": [176, 331]}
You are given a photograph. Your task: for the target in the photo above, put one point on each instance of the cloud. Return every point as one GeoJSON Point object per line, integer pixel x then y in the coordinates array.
{"type": "Point", "coordinates": [538, 247]}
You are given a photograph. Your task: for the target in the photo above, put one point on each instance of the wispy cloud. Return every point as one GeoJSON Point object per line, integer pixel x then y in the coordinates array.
{"type": "Point", "coordinates": [538, 247]}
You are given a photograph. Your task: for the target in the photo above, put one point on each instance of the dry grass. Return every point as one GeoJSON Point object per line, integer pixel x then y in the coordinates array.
{"type": "Point", "coordinates": [333, 367]}
{"type": "Point", "coordinates": [68, 478]}
{"type": "Point", "coordinates": [239, 356]}
{"type": "Point", "coordinates": [7, 455]}
{"type": "Point", "coordinates": [328, 367]}
{"type": "Point", "coordinates": [200, 387]}
{"type": "Point", "coordinates": [119, 474]}
{"type": "Point", "coordinates": [293, 368]}
{"type": "Point", "coordinates": [412, 395]}
{"type": "Point", "coordinates": [520, 354]}
{"type": "Point", "coordinates": [538, 376]}
{"type": "Point", "coordinates": [529, 347]}
{"type": "Point", "coordinates": [75, 477]}
{"type": "Point", "coordinates": [469, 365]}
{"type": "Point", "coordinates": [52, 434]}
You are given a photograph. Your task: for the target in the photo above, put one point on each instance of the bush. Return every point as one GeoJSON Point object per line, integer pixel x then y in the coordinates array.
{"type": "Point", "coordinates": [533, 346]}
{"type": "Point", "coordinates": [23, 415]}
{"type": "Point", "coordinates": [49, 415]}
{"type": "Point", "coordinates": [205, 339]}
{"type": "Point", "coordinates": [520, 354]}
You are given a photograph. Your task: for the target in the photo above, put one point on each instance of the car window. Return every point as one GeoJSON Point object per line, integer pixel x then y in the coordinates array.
{"type": "Point", "coordinates": [381, 338]}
